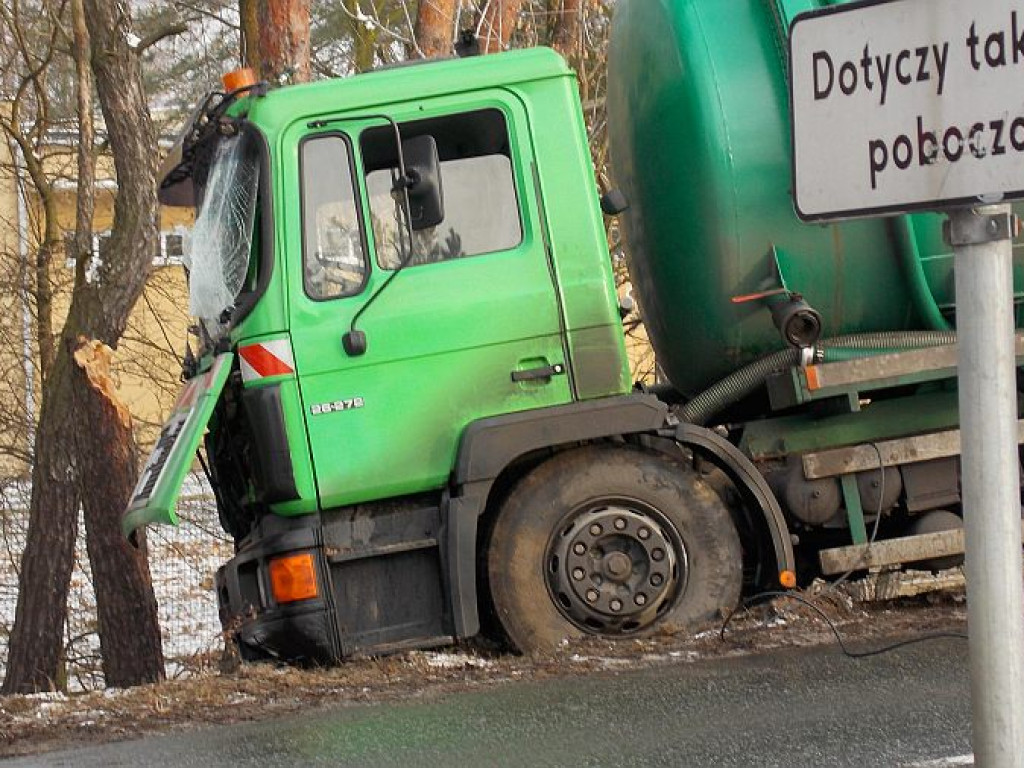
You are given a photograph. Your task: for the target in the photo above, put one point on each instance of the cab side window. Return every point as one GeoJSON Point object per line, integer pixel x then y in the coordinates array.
{"type": "Point", "coordinates": [481, 210]}
{"type": "Point", "coordinates": [333, 259]}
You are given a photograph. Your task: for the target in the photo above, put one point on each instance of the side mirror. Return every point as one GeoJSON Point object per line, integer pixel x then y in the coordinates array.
{"type": "Point", "coordinates": [423, 171]}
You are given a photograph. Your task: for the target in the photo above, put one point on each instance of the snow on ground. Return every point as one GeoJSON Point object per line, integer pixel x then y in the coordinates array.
{"type": "Point", "coordinates": [448, 660]}
{"type": "Point", "coordinates": [182, 563]}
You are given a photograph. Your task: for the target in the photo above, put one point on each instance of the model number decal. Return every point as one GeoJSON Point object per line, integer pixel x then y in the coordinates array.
{"type": "Point", "coordinates": [337, 405]}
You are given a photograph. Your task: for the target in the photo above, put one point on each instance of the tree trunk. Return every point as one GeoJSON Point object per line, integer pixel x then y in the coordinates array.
{"type": "Point", "coordinates": [364, 40]}
{"type": "Point", "coordinates": [37, 639]}
{"type": "Point", "coordinates": [498, 24]}
{"type": "Point", "coordinates": [275, 36]}
{"type": "Point", "coordinates": [435, 27]}
{"type": "Point", "coordinates": [128, 626]}
{"type": "Point", "coordinates": [85, 200]}
{"type": "Point", "coordinates": [566, 32]}
{"type": "Point", "coordinates": [35, 657]}
{"type": "Point", "coordinates": [50, 242]}
{"type": "Point", "coordinates": [249, 30]}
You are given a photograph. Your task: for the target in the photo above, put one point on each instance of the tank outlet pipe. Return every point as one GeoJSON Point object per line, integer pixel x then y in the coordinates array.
{"type": "Point", "coordinates": [797, 321]}
{"type": "Point", "coordinates": [749, 378]}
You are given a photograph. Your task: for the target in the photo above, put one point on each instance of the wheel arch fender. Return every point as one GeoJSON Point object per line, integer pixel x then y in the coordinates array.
{"type": "Point", "coordinates": [490, 446]}
{"type": "Point", "coordinates": [751, 485]}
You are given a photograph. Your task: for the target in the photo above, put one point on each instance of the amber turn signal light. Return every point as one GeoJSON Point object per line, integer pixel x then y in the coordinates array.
{"type": "Point", "coordinates": [787, 579]}
{"type": "Point", "coordinates": [293, 577]}
{"type": "Point", "coordinates": [239, 78]}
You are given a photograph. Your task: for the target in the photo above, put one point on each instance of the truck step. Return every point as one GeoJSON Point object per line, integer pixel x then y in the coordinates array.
{"type": "Point", "coordinates": [906, 549]}
{"type": "Point", "coordinates": [893, 453]}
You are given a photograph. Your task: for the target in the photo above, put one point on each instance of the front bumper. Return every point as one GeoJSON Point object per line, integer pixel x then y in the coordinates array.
{"type": "Point", "coordinates": [379, 589]}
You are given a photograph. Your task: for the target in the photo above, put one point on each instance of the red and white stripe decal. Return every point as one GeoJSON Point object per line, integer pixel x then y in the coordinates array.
{"type": "Point", "coordinates": [269, 358]}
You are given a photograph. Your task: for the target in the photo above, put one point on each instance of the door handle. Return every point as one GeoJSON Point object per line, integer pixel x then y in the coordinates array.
{"type": "Point", "coordinates": [536, 374]}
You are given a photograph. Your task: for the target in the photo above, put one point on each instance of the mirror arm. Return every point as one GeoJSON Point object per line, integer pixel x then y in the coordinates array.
{"type": "Point", "coordinates": [354, 340]}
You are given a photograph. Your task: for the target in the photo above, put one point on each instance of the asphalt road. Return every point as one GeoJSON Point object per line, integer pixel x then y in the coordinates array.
{"type": "Point", "coordinates": [793, 708]}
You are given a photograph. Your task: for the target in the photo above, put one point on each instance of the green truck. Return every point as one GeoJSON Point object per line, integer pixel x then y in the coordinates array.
{"type": "Point", "coordinates": [411, 374]}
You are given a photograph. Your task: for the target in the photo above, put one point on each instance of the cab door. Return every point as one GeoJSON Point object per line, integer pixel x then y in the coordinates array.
{"type": "Point", "coordinates": [470, 328]}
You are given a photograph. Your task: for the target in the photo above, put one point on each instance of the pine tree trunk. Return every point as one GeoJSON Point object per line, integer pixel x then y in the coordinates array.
{"type": "Point", "coordinates": [249, 30]}
{"type": "Point", "coordinates": [435, 20]}
{"type": "Point", "coordinates": [275, 36]}
{"type": "Point", "coordinates": [499, 22]}
{"type": "Point", "coordinates": [565, 36]}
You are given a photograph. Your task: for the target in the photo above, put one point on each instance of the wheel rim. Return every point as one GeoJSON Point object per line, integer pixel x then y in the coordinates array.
{"type": "Point", "coordinates": [614, 567]}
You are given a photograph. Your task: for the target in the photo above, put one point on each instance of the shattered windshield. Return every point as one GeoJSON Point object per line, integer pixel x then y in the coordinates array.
{"type": "Point", "coordinates": [217, 254]}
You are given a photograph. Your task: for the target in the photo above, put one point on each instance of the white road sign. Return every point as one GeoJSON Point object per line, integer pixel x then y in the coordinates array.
{"type": "Point", "coordinates": [907, 104]}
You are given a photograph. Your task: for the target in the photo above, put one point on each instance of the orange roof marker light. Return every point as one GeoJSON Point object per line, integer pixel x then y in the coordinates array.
{"type": "Point", "coordinates": [238, 78]}
{"type": "Point", "coordinates": [293, 577]}
{"type": "Point", "coordinates": [787, 579]}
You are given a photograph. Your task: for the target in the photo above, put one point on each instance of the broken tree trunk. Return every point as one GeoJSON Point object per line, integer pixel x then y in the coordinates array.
{"type": "Point", "coordinates": [128, 625]}
{"type": "Point", "coordinates": [83, 450]}
{"type": "Point", "coordinates": [107, 466]}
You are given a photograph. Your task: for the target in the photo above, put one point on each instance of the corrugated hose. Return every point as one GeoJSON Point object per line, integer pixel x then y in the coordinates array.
{"type": "Point", "coordinates": [749, 378]}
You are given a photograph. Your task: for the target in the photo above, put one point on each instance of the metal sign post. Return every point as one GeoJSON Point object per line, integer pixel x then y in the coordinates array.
{"type": "Point", "coordinates": [990, 485]}
{"type": "Point", "coordinates": [901, 105]}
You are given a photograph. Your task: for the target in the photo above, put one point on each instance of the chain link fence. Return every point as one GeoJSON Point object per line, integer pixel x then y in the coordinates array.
{"type": "Point", "coordinates": [182, 563]}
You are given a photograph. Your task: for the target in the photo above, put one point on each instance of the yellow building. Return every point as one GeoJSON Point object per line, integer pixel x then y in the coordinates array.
{"type": "Point", "coordinates": [145, 362]}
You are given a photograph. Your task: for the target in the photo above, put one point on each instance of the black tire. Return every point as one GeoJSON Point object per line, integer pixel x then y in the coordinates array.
{"type": "Point", "coordinates": [614, 541]}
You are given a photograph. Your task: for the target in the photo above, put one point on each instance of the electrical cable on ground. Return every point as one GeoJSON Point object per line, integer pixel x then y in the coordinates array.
{"type": "Point", "coordinates": [832, 587]}
{"type": "Point", "coordinates": [835, 631]}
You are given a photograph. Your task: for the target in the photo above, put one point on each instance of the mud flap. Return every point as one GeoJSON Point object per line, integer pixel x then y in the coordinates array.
{"type": "Point", "coordinates": [156, 494]}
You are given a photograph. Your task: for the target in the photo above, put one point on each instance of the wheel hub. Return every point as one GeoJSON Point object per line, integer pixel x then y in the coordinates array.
{"type": "Point", "coordinates": [615, 568]}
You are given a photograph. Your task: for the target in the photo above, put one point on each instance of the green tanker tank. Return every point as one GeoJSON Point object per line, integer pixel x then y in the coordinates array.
{"type": "Point", "coordinates": [699, 122]}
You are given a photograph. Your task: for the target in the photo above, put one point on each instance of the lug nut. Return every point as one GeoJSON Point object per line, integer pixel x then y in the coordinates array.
{"type": "Point", "coordinates": [620, 523]}
{"type": "Point", "coordinates": [640, 599]}
{"type": "Point", "coordinates": [657, 579]}
{"type": "Point", "coordinates": [615, 605]}
{"type": "Point", "coordinates": [644, 533]}
{"type": "Point", "coordinates": [658, 555]}
{"type": "Point", "coordinates": [578, 574]}
{"type": "Point", "coordinates": [592, 595]}
{"type": "Point", "coordinates": [579, 548]}
{"type": "Point", "coordinates": [596, 530]}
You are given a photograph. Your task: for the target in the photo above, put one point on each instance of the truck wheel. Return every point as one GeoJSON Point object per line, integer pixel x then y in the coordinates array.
{"type": "Point", "coordinates": [612, 541]}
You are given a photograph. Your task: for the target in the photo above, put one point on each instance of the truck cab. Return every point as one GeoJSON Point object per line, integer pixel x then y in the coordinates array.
{"type": "Point", "coordinates": [339, 467]}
